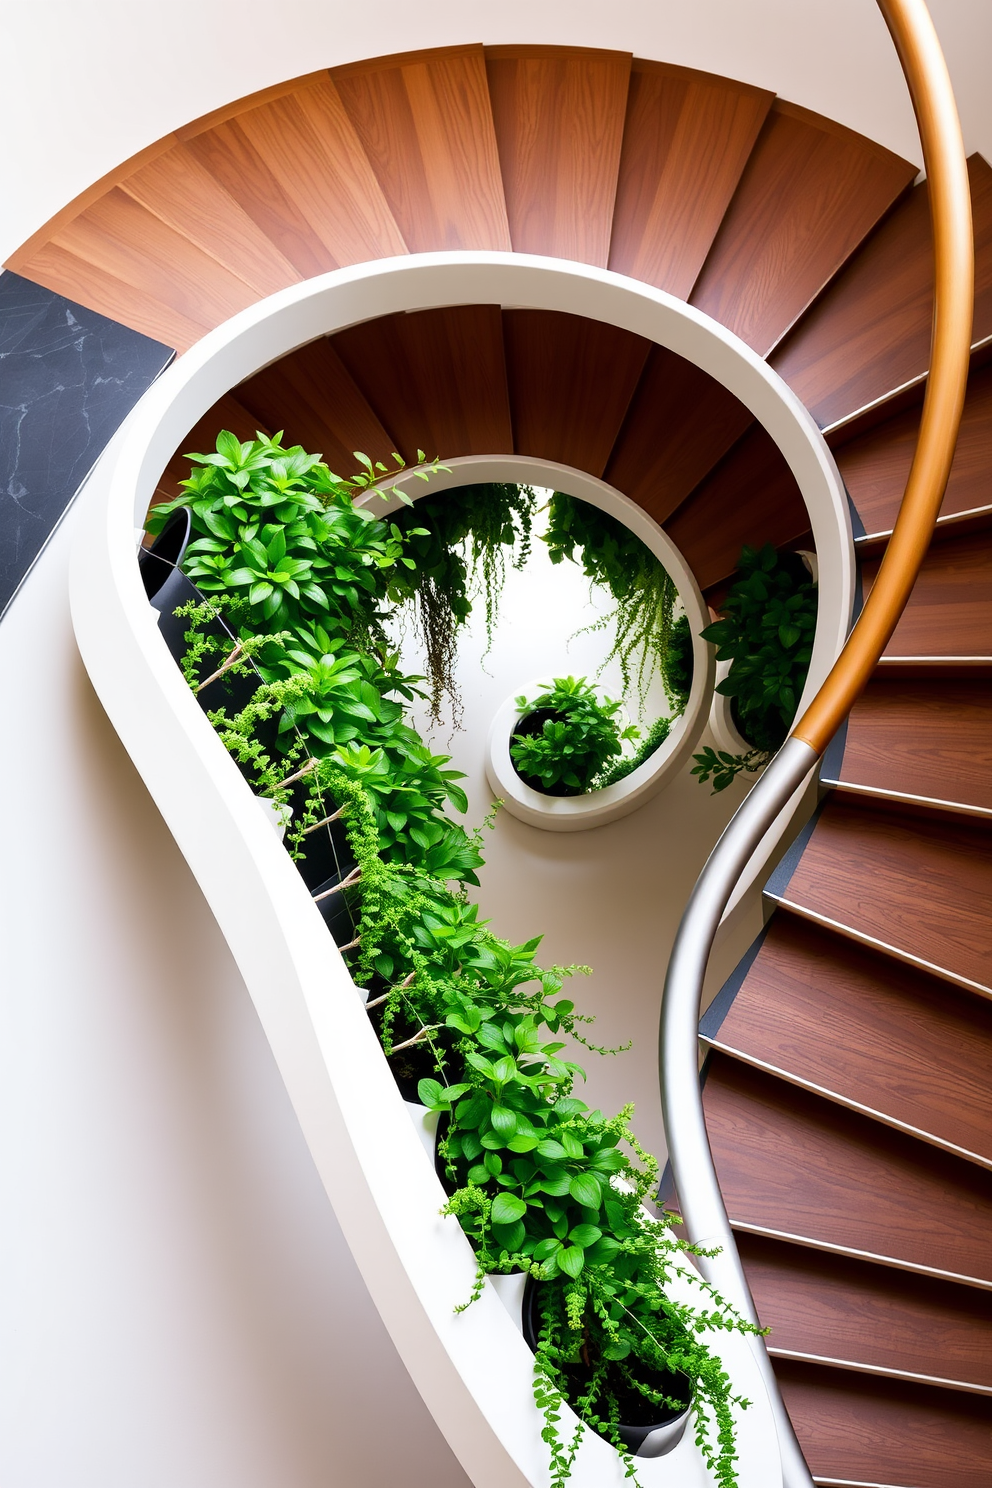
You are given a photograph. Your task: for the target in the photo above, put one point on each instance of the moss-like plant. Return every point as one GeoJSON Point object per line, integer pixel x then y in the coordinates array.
{"type": "Point", "coordinates": [538, 1181]}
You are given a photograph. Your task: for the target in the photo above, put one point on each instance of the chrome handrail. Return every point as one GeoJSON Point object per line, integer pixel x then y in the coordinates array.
{"type": "Point", "coordinates": [703, 1210]}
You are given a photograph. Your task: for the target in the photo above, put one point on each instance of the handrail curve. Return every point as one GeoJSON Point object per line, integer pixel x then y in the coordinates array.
{"type": "Point", "coordinates": [703, 1210]}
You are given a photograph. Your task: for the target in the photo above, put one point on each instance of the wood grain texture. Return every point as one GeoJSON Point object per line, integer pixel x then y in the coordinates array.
{"type": "Point", "coordinates": [923, 738]}
{"type": "Point", "coordinates": [686, 140]}
{"type": "Point", "coordinates": [436, 377]}
{"type": "Point", "coordinates": [559, 119]}
{"type": "Point", "coordinates": [837, 1308]}
{"type": "Point", "coordinates": [875, 465]}
{"type": "Point", "coordinates": [681, 421]}
{"type": "Point", "coordinates": [751, 497]}
{"type": "Point", "coordinates": [792, 1163]}
{"type": "Point", "coordinates": [870, 332]}
{"type": "Point", "coordinates": [921, 885]}
{"type": "Point", "coordinates": [426, 127]}
{"type": "Point", "coordinates": [856, 1430]}
{"type": "Point", "coordinates": [810, 192]}
{"type": "Point", "coordinates": [571, 381]}
{"type": "Point", "coordinates": [950, 609]}
{"type": "Point", "coordinates": [882, 1035]}
{"type": "Point", "coordinates": [311, 395]}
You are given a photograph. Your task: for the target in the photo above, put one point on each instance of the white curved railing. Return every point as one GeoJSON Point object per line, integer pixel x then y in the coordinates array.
{"type": "Point", "coordinates": [473, 1371]}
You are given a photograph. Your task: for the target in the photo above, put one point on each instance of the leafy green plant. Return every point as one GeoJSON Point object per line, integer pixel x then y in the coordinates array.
{"type": "Point", "coordinates": [538, 1181]}
{"type": "Point", "coordinates": [652, 740]}
{"type": "Point", "coordinates": [766, 633]}
{"type": "Point", "coordinates": [645, 596]}
{"type": "Point", "coordinates": [576, 740]}
{"type": "Point", "coordinates": [723, 768]}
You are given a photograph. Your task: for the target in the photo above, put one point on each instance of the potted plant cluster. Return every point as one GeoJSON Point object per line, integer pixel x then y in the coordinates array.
{"type": "Point", "coordinates": [766, 633]}
{"type": "Point", "coordinates": [281, 636]}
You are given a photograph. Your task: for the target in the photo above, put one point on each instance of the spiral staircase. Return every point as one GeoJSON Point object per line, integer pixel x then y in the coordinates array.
{"type": "Point", "coordinates": [848, 1061]}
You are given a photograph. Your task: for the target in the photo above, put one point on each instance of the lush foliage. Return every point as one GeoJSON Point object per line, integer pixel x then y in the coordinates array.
{"type": "Point", "coordinates": [644, 595]}
{"type": "Point", "coordinates": [575, 743]}
{"type": "Point", "coordinates": [457, 540]}
{"type": "Point", "coordinates": [766, 633]}
{"type": "Point", "coordinates": [621, 768]}
{"type": "Point", "coordinates": [311, 707]}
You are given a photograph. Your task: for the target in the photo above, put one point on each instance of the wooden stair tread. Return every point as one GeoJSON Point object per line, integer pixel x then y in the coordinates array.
{"type": "Point", "coordinates": [436, 377]}
{"type": "Point", "coordinates": [571, 381]}
{"type": "Point", "coordinates": [874, 1033]}
{"type": "Point", "coordinates": [950, 609]}
{"type": "Point", "coordinates": [920, 887]}
{"type": "Point", "coordinates": [686, 140]}
{"type": "Point", "coordinates": [931, 739]}
{"type": "Point", "coordinates": [559, 119]}
{"type": "Point", "coordinates": [793, 1164]}
{"type": "Point", "coordinates": [870, 331]}
{"type": "Point", "coordinates": [312, 396]}
{"type": "Point", "coordinates": [831, 1307]}
{"type": "Point", "coordinates": [875, 464]}
{"type": "Point", "coordinates": [426, 126]}
{"type": "Point", "coordinates": [750, 497]}
{"type": "Point", "coordinates": [808, 195]}
{"type": "Point", "coordinates": [855, 1430]}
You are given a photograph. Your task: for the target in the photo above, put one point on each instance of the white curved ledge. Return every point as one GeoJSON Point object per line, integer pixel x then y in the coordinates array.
{"type": "Point", "coordinates": [473, 1370]}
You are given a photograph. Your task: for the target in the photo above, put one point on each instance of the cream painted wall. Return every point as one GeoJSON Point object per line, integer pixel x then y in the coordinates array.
{"type": "Point", "coordinates": [87, 83]}
{"type": "Point", "coordinates": [177, 1303]}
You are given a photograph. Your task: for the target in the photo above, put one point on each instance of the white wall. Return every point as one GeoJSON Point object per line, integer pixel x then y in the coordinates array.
{"type": "Point", "coordinates": [87, 83]}
{"type": "Point", "coordinates": [177, 1304]}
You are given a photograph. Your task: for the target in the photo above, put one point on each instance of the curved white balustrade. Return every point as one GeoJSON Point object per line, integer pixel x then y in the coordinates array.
{"type": "Point", "coordinates": [473, 1370]}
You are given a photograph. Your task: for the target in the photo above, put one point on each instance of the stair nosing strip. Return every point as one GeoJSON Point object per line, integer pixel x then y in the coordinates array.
{"type": "Point", "coordinates": [905, 956]}
{"type": "Point", "coordinates": [895, 1264]}
{"type": "Point", "coordinates": [941, 525]}
{"type": "Point", "coordinates": [880, 1370]}
{"type": "Point", "coordinates": [907, 660]}
{"type": "Point", "coordinates": [878, 792]}
{"type": "Point", "coordinates": [904, 387]}
{"type": "Point", "coordinates": [854, 1483]}
{"type": "Point", "coordinates": [851, 1105]}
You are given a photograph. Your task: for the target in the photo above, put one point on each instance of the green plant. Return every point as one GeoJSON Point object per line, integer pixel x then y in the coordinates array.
{"type": "Point", "coordinates": [574, 743]}
{"type": "Point", "coordinates": [652, 740]}
{"type": "Point", "coordinates": [723, 768]}
{"type": "Point", "coordinates": [645, 596]}
{"type": "Point", "coordinates": [766, 633]}
{"type": "Point", "coordinates": [456, 540]}
{"type": "Point", "coordinates": [538, 1181]}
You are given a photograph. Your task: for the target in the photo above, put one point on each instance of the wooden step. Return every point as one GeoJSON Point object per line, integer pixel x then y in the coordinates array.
{"type": "Point", "coordinates": [870, 331]}
{"type": "Point", "coordinates": [686, 140]}
{"type": "Point", "coordinates": [858, 1432]}
{"type": "Point", "coordinates": [426, 127]}
{"type": "Point", "coordinates": [875, 465]}
{"type": "Point", "coordinates": [840, 1311]}
{"type": "Point", "coordinates": [559, 119]}
{"type": "Point", "coordinates": [312, 396]}
{"type": "Point", "coordinates": [875, 1035]}
{"type": "Point", "coordinates": [435, 378]}
{"type": "Point", "coordinates": [926, 740]}
{"type": "Point", "coordinates": [797, 1167]}
{"type": "Point", "coordinates": [751, 497]}
{"type": "Point", "coordinates": [950, 610]}
{"type": "Point", "coordinates": [571, 382]}
{"type": "Point", "coordinates": [919, 887]}
{"type": "Point", "coordinates": [809, 194]}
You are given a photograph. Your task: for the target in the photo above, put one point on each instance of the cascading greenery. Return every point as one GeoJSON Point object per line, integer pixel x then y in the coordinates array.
{"type": "Point", "coordinates": [644, 595]}
{"type": "Point", "coordinates": [538, 1181]}
{"type": "Point", "coordinates": [457, 538]}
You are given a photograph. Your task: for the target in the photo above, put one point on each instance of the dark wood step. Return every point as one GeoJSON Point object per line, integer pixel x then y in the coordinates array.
{"type": "Point", "coordinates": [918, 886]}
{"type": "Point", "coordinates": [870, 331]}
{"type": "Point", "coordinates": [950, 610]}
{"type": "Point", "coordinates": [874, 1034]}
{"type": "Point", "coordinates": [796, 1166]}
{"type": "Point", "coordinates": [875, 465]}
{"type": "Point", "coordinates": [829, 1307]}
{"type": "Point", "coordinates": [928, 739]}
{"type": "Point", "coordinates": [859, 1432]}
{"type": "Point", "coordinates": [809, 194]}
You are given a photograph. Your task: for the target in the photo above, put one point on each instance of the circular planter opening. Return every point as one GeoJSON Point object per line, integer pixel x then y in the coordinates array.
{"type": "Point", "coordinates": [531, 726]}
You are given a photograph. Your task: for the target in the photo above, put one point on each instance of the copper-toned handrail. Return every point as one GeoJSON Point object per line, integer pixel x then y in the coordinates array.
{"type": "Point", "coordinates": [954, 278]}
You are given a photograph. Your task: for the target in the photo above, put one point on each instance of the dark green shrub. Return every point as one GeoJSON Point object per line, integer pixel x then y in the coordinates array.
{"type": "Point", "coordinates": [578, 736]}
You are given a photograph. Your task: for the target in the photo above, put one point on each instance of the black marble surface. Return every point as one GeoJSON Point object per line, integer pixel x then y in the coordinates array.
{"type": "Point", "coordinates": [68, 377]}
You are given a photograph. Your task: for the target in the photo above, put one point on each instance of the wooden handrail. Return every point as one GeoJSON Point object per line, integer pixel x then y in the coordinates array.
{"type": "Point", "coordinates": [953, 305]}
